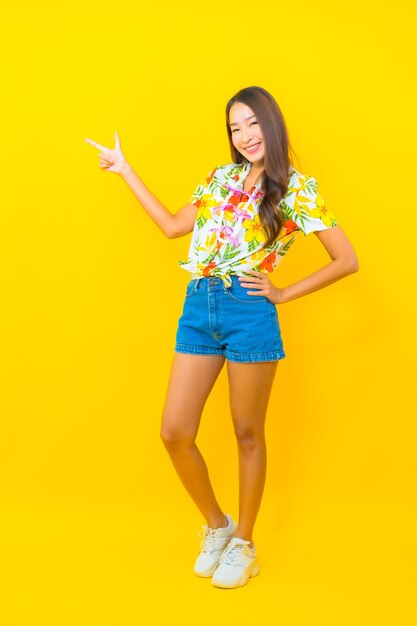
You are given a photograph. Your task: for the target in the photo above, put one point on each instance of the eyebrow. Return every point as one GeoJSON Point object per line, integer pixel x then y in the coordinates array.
{"type": "Point", "coordinates": [246, 118]}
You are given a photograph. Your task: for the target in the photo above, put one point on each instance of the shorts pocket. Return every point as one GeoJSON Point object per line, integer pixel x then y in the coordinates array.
{"type": "Point", "coordinates": [239, 293]}
{"type": "Point", "coordinates": [191, 287]}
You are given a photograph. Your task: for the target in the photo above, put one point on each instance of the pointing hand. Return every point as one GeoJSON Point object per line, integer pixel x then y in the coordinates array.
{"type": "Point", "coordinates": [110, 160]}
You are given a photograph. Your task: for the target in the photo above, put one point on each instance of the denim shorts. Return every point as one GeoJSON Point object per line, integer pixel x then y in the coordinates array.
{"type": "Point", "coordinates": [217, 319]}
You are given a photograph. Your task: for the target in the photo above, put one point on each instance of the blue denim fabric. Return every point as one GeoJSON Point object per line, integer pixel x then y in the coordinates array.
{"type": "Point", "coordinates": [217, 319]}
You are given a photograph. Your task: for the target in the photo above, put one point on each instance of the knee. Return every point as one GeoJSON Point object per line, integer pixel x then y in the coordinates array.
{"type": "Point", "coordinates": [249, 439]}
{"type": "Point", "coordinates": [175, 437]}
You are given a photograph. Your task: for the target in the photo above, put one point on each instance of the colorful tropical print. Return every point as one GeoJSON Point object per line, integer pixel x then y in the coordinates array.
{"type": "Point", "coordinates": [228, 237]}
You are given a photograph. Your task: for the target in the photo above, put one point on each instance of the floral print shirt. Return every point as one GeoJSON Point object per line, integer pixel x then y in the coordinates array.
{"type": "Point", "coordinates": [228, 236]}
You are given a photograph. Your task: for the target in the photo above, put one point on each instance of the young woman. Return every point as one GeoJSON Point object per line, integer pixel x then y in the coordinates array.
{"type": "Point", "coordinates": [244, 216]}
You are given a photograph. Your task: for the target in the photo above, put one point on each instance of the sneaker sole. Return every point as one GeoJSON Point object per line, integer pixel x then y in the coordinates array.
{"type": "Point", "coordinates": [253, 572]}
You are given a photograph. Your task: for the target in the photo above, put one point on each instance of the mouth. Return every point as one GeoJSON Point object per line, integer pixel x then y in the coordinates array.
{"type": "Point", "coordinates": [253, 148]}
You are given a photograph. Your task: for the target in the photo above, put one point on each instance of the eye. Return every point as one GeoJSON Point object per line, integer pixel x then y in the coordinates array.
{"type": "Point", "coordinates": [233, 131]}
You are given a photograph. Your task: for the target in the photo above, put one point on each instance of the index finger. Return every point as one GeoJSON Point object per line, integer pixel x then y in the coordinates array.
{"type": "Point", "coordinates": [95, 144]}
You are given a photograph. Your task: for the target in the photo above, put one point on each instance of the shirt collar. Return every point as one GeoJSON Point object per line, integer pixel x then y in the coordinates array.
{"type": "Point", "coordinates": [246, 168]}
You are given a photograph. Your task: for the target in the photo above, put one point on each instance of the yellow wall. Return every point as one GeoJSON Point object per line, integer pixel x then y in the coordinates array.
{"type": "Point", "coordinates": [91, 293]}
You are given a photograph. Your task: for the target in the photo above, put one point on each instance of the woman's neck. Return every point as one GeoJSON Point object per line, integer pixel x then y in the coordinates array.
{"type": "Point", "coordinates": [256, 170]}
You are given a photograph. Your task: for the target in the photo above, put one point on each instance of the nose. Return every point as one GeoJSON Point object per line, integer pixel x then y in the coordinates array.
{"type": "Point", "coordinates": [246, 137]}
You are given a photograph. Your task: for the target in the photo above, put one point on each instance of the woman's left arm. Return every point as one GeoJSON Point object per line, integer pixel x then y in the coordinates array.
{"type": "Point", "coordinates": [344, 262]}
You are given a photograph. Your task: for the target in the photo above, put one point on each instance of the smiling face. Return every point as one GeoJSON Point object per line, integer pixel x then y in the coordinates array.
{"type": "Point", "coordinates": [247, 133]}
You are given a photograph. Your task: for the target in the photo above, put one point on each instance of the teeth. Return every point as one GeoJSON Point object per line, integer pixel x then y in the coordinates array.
{"type": "Point", "coordinates": [251, 149]}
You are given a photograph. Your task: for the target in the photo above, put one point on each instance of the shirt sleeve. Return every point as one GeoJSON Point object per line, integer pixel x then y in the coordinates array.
{"type": "Point", "coordinates": [203, 187]}
{"type": "Point", "coordinates": [314, 215]}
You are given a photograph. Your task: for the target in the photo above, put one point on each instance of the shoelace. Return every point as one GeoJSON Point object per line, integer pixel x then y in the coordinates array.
{"type": "Point", "coordinates": [232, 553]}
{"type": "Point", "coordinates": [207, 535]}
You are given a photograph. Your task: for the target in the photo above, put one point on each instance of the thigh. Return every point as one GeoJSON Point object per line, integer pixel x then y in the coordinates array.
{"type": "Point", "coordinates": [250, 387]}
{"type": "Point", "coordinates": [191, 380]}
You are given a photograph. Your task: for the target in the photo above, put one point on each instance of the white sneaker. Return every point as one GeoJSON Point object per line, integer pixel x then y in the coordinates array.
{"type": "Point", "coordinates": [236, 565]}
{"type": "Point", "coordinates": [213, 543]}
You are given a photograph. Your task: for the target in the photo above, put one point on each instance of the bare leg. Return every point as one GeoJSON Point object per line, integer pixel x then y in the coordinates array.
{"type": "Point", "coordinates": [192, 378]}
{"type": "Point", "coordinates": [250, 386]}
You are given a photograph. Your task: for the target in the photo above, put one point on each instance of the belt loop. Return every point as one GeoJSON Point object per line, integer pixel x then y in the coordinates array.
{"type": "Point", "coordinates": [226, 287]}
{"type": "Point", "coordinates": [197, 283]}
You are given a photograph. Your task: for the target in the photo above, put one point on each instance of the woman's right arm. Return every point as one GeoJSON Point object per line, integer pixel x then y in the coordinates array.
{"type": "Point", "coordinates": [172, 225]}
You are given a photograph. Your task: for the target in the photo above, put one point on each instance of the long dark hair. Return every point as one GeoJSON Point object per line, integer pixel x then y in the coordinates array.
{"type": "Point", "coordinates": [277, 160]}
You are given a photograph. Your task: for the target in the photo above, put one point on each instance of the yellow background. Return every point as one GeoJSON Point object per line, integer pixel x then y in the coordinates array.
{"type": "Point", "coordinates": [96, 527]}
